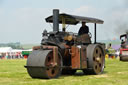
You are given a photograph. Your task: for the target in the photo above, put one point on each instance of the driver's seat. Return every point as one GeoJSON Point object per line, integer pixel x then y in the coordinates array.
{"type": "Point", "coordinates": [84, 39]}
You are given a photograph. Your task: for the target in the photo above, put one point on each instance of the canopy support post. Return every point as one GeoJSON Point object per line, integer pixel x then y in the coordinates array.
{"type": "Point", "coordinates": [95, 33]}
{"type": "Point", "coordinates": [63, 24]}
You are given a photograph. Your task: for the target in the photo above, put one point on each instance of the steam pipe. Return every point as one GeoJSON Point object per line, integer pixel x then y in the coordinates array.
{"type": "Point", "coordinates": [55, 19]}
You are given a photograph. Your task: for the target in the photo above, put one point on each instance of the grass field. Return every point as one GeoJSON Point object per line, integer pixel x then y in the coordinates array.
{"type": "Point", "coordinates": [12, 72]}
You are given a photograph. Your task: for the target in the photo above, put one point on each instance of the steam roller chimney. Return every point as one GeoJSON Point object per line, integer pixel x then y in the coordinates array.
{"type": "Point", "coordinates": [55, 19]}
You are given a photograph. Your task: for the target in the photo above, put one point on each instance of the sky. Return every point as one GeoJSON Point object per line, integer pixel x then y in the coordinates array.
{"type": "Point", "coordinates": [24, 20]}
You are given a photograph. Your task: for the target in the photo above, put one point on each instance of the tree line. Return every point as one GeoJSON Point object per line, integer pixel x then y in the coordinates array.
{"type": "Point", "coordinates": [15, 45]}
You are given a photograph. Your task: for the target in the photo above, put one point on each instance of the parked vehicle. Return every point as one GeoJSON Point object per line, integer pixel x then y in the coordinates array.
{"type": "Point", "coordinates": [26, 53]}
{"type": "Point", "coordinates": [124, 47]}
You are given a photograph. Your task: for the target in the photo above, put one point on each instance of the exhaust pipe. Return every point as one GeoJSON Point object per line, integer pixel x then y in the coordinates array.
{"type": "Point", "coordinates": [56, 20]}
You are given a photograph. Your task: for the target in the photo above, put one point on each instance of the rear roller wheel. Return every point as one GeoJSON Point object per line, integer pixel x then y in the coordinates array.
{"type": "Point", "coordinates": [96, 59]}
{"type": "Point", "coordinates": [40, 64]}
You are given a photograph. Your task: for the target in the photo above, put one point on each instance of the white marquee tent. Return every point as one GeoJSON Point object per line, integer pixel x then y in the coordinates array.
{"type": "Point", "coordinates": [5, 49]}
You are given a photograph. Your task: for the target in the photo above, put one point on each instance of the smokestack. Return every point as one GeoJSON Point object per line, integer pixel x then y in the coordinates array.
{"type": "Point", "coordinates": [55, 19]}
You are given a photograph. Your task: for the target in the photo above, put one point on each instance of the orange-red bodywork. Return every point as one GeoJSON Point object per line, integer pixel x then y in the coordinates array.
{"type": "Point", "coordinates": [78, 57]}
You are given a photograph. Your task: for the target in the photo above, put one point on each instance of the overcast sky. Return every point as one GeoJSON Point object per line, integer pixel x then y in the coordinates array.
{"type": "Point", "coordinates": [24, 20]}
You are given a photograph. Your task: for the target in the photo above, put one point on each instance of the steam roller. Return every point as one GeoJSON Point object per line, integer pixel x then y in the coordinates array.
{"type": "Point", "coordinates": [64, 52]}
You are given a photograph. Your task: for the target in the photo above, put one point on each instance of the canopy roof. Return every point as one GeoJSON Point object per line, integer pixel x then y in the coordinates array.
{"type": "Point", "coordinates": [73, 19]}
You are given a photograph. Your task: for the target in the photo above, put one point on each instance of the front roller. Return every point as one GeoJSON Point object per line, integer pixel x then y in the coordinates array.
{"type": "Point", "coordinates": [96, 59]}
{"type": "Point", "coordinates": [40, 64]}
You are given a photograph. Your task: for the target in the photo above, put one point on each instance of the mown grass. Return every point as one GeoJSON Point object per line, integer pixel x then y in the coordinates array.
{"type": "Point", "coordinates": [12, 72]}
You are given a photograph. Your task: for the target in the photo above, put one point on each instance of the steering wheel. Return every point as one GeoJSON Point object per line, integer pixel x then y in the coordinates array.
{"type": "Point", "coordinates": [90, 34]}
